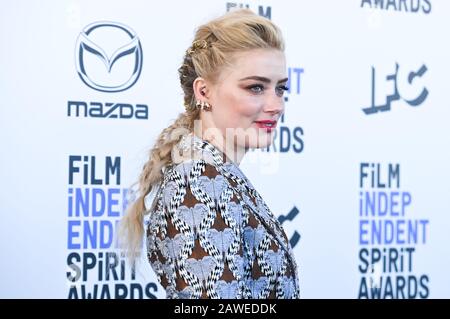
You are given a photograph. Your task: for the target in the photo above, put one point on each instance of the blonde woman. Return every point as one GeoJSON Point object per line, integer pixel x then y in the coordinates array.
{"type": "Point", "coordinates": [209, 233]}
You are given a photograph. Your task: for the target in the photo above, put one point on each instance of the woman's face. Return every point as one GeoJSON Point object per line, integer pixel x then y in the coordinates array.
{"type": "Point", "coordinates": [246, 93]}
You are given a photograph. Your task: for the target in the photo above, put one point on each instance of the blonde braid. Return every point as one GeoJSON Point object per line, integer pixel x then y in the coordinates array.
{"type": "Point", "coordinates": [131, 227]}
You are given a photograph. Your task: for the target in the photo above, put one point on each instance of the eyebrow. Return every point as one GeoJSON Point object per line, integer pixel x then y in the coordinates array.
{"type": "Point", "coordinates": [261, 78]}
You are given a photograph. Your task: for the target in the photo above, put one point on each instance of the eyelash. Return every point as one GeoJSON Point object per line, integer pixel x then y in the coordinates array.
{"type": "Point", "coordinates": [284, 87]}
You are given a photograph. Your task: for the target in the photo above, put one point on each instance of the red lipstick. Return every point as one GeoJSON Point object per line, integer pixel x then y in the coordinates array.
{"type": "Point", "coordinates": [268, 125]}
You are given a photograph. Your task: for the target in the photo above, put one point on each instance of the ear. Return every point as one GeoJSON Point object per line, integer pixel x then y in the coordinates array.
{"type": "Point", "coordinates": [201, 89]}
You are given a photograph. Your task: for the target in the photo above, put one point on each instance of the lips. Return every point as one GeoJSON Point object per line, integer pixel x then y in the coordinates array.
{"type": "Point", "coordinates": [267, 124]}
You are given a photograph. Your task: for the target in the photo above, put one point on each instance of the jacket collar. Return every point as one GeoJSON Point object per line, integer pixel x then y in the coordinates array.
{"type": "Point", "coordinates": [191, 147]}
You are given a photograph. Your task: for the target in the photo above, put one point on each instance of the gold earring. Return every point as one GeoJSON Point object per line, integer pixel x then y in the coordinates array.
{"type": "Point", "coordinates": [206, 106]}
{"type": "Point", "coordinates": [203, 105]}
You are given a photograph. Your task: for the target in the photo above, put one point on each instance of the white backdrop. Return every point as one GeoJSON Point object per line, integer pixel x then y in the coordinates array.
{"type": "Point", "coordinates": [331, 162]}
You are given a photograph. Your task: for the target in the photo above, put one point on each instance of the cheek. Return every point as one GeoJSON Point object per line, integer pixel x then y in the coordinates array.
{"type": "Point", "coordinates": [238, 110]}
{"type": "Point", "coordinates": [247, 108]}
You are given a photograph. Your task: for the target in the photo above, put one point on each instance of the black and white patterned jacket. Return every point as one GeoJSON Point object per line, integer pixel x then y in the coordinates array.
{"type": "Point", "coordinates": [211, 235]}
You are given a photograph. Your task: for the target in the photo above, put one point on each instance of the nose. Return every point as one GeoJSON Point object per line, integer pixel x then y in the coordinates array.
{"type": "Point", "coordinates": [274, 104]}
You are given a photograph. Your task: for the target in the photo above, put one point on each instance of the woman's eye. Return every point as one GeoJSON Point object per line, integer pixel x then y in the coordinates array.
{"type": "Point", "coordinates": [256, 88]}
{"type": "Point", "coordinates": [281, 89]}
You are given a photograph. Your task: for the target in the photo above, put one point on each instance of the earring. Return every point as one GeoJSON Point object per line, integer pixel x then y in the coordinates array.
{"type": "Point", "coordinates": [203, 105]}
{"type": "Point", "coordinates": [206, 106]}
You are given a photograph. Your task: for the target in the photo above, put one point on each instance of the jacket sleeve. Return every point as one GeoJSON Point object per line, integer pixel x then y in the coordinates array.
{"type": "Point", "coordinates": [194, 234]}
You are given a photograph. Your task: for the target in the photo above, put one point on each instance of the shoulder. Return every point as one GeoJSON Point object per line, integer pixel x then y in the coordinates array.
{"type": "Point", "coordinates": [178, 178]}
{"type": "Point", "coordinates": [196, 177]}
{"type": "Point", "coordinates": [192, 169]}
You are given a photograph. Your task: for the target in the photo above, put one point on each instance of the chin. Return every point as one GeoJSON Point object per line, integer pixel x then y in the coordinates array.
{"type": "Point", "coordinates": [263, 140]}
{"type": "Point", "coordinates": [254, 138]}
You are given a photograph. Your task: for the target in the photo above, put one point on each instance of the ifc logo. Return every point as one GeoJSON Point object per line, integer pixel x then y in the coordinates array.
{"type": "Point", "coordinates": [108, 56]}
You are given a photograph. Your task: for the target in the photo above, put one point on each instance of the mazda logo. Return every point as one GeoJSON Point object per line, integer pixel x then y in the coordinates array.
{"type": "Point", "coordinates": [108, 56]}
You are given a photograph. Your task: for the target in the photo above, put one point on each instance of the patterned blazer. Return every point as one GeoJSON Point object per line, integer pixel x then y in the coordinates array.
{"type": "Point", "coordinates": [211, 235]}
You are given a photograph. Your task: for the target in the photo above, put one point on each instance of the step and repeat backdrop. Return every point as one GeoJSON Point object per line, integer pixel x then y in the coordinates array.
{"type": "Point", "coordinates": [358, 172]}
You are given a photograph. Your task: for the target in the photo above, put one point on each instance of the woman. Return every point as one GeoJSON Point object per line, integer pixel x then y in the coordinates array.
{"type": "Point", "coordinates": [209, 232]}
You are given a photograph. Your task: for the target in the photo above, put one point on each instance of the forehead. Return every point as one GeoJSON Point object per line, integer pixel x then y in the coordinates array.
{"type": "Point", "coordinates": [270, 63]}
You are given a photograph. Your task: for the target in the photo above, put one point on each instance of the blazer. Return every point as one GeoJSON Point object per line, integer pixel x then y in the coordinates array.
{"type": "Point", "coordinates": [210, 234]}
